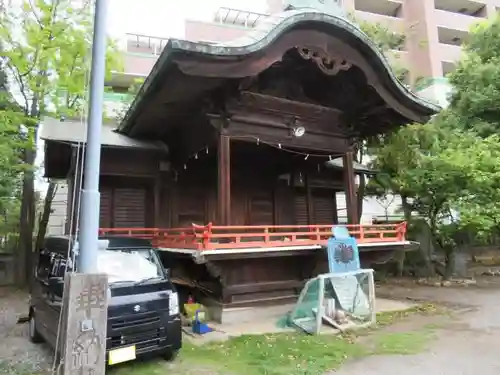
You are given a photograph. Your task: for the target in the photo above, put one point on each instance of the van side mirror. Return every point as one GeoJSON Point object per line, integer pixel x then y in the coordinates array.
{"type": "Point", "coordinates": [56, 285]}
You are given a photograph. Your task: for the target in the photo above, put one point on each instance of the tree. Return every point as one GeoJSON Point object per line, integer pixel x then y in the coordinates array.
{"type": "Point", "coordinates": [128, 98]}
{"type": "Point", "coordinates": [476, 82]}
{"type": "Point", "coordinates": [396, 155]}
{"type": "Point", "coordinates": [448, 168]}
{"type": "Point", "coordinates": [11, 166]}
{"type": "Point", "coordinates": [46, 50]}
{"type": "Point", "coordinates": [450, 178]}
{"type": "Point", "coordinates": [386, 201]}
{"type": "Point", "coordinates": [388, 42]}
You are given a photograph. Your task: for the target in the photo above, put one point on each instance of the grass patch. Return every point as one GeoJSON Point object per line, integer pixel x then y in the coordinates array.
{"type": "Point", "coordinates": [273, 354]}
{"type": "Point", "coordinates": [292, 353]}
{"type": "Point", "coordinates": [387, 318]}
{"type": "Point", "coordinates": [278, 354]}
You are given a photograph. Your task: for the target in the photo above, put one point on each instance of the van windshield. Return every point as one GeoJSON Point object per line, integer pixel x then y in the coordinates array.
{"type": "Point", "coordinates": [131, 265]}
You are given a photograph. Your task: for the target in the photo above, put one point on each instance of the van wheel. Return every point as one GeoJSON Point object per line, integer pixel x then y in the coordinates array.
{"type": "Point", "coordinates": [34, 335]}
{"type": "Point", "coordinates": [170, 355]}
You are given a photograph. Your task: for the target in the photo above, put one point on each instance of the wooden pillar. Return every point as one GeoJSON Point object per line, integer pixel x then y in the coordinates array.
{"type": "Point", "coordinates": [309, 200]}
{"type": "Point", "coordinates": [350, 188]}
{"type": "Point", "coordinates": [69, 198]}
{"type": "Point", "coordinates": [73, 202]}
{"type": "Point", "coordinates": [173, 204]}
{"type": "Point", "coordinates": [335, 209]}
{"type": "Point", "coordinates": [157, 201]}
{"type": "Point", "coordinates": [224, 180]}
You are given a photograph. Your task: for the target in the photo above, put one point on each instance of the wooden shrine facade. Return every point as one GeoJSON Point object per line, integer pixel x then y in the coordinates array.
{"type": "Point", "coordinates": [237, 146]}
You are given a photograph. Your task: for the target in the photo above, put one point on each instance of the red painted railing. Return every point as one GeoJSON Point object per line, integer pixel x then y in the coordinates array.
{"type": "Point", "coordinates": [211, 237]}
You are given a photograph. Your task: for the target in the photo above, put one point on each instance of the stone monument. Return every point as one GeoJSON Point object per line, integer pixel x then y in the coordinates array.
{"type": "Point", "coordinates": [85, 314]}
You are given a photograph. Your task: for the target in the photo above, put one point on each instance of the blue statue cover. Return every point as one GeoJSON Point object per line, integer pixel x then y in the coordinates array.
{"type": "Point", "coordinates": [342, 249]}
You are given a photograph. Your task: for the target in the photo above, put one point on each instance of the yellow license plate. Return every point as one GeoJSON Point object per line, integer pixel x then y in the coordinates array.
{"type": "Point", "coordinates": [121, 355]}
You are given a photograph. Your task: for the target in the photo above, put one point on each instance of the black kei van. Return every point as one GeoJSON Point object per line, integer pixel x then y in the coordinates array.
{"type": "Point", "coordinates": [143, 312]}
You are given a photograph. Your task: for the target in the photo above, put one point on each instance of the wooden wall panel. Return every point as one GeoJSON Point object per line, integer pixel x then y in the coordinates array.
{"type": "Point", "coordinates": [260, 206]}
{"type": "Point", "coordinates": [130, 207]}
{"type": "Point", "coordinates": [300, 207]}
{"type": "Point", "coordinates": [263, 203]}
{"type": "Point", "coordinates": [126, 202]}
{"type": "Point", "coordinates": [323, 207]}
{"type": "Point", "coordinates": [191, 205]}
{"type": "Point", "coordinates": [239, 207]}
{"type": "Point", "coordinates": [105, 214]}
{"type": "Point", "coordinates": [284, 204]}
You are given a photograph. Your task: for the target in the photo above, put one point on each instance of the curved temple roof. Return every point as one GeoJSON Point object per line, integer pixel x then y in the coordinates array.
{"type": "Point", "coordinates": [260, 48]}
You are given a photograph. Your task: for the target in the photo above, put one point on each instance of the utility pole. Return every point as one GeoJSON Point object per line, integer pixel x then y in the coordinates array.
{"type": "Point", "coordinates": [90, 197]}
{"type": "Point", "coordinates": [85, 298]}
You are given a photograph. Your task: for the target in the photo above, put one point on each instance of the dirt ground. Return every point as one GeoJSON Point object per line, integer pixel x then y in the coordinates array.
{"type": "Point", "coordinates": [17, 354]}
{"type": "Point", "coordinates": [464, 344]}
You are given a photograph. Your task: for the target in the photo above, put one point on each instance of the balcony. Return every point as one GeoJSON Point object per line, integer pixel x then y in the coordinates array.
{"type": "Point", "coordinates": [236, 17]}
{"type": "Point", "coordinates": [391, 8]}
{"type": "Point", "coordinates": [455, 21]}
{"type": "Point", "coordinates": [140, 53]}
{"type": "Point", "coordinates": [451, 37]}
{"type": "Point", "coordinates": [210, 32]}
{"type": "Point", "coordinates": [144, 44]}
{"type": "Point", "coordinates": [473, 8]}
{"type": "Point", "coordinates": [459, 14]}
{"type": "Point", "coordinates": [449, 53]}
{"type": "Point", "coordinates": [227, 24]}
{"type": "Point", "coordinates": [448, 67]}
{"type": "Point", "coordinates": [449, 48]}
{"type": "Point", "coordinates": [392, 23]}
{"type": "Point", "coordinates": [211, 237]}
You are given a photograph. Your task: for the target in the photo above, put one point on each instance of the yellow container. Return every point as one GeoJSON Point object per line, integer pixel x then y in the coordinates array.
{"type": "Point", "coordinates": [191, 310]}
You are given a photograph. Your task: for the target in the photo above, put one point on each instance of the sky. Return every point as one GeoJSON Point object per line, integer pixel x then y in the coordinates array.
{"type": "Point", "coordinates": [166, 18]}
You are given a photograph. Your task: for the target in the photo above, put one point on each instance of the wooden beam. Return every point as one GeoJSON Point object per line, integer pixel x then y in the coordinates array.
{"type": "Point", "coordinates": [224, 180]}
{"type": "Point", "coordinates": [350, 188]}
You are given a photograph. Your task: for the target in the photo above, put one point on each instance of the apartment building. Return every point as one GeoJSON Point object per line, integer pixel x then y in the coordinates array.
{"type": "Point", "coordinates": [432, 31]}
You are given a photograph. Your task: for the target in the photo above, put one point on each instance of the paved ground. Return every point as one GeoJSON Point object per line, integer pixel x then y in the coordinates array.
{"type": "Point", "coordinates": [467, 345]}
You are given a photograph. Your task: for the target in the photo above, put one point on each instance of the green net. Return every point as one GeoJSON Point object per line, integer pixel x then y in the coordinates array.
{"type": "Point", "coordinates": [342, 299]}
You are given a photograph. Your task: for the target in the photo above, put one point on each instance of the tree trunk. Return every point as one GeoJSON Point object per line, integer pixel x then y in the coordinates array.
{"type": "Point", "coordinates": [450, 262]}
{"type": "Point", "coordinates": [44, 217]}
{"type": "Point", "coordinates": [26, 221]}
{"type": "Point", "coordinates": [401, 256]}
{"type": "Point", "coordinates": [430, 248]}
